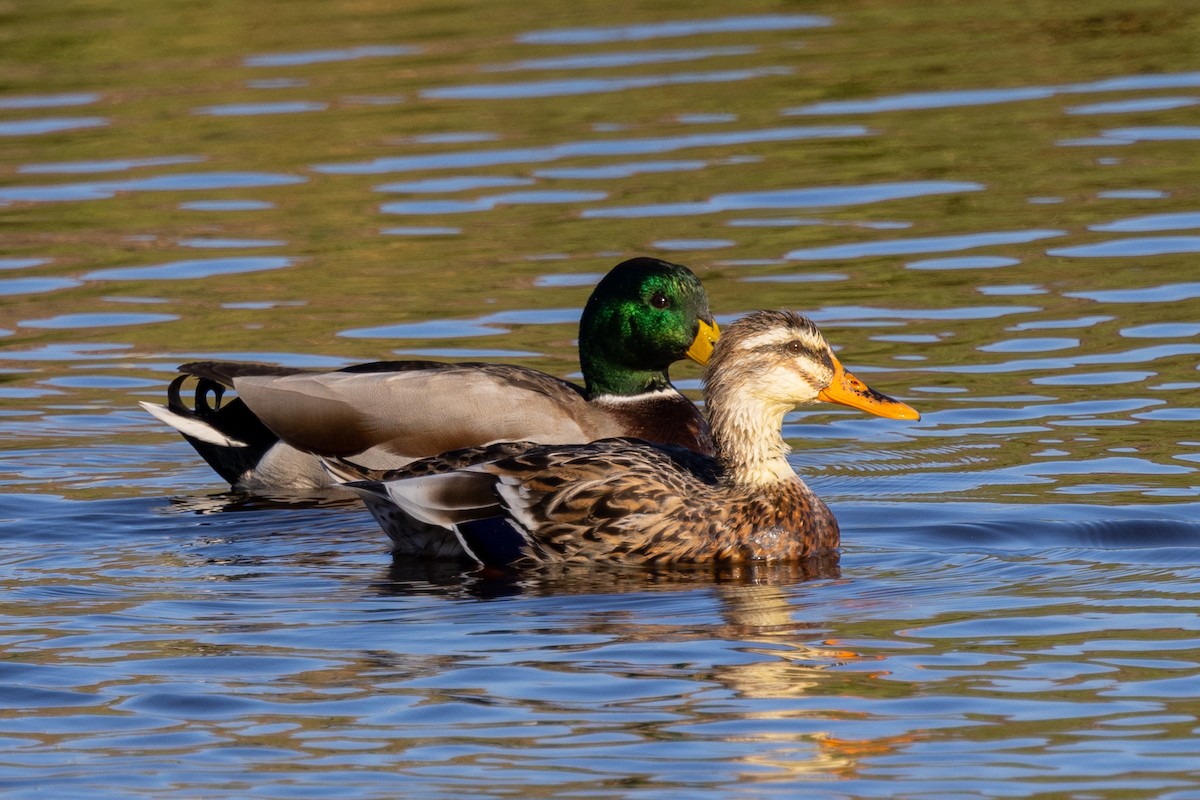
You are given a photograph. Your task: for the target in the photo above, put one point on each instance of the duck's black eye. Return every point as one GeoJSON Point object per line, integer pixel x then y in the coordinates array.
{"type": "Point", "coordinates": [659, 300]}
{"type": "Point", "coordinates": [795, 347]}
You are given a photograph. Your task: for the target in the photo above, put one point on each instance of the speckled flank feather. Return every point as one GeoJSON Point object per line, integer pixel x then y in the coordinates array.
{"type": "Point", "coordinates": [620, 500]}
{"type": "Point", "coordinates": [631, 501]}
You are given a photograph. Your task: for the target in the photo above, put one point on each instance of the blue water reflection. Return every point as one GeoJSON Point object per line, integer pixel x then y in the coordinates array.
{"type": "Point", "coordinates": [488, 325]}
{"type": "Point", "coordinates": [1181, 220]}
{"type": "Point", "coordinates": [791, 198]}
{"type": "Point", "coordinates": [923, 100]}
{"type": "Point", "coordinates": [13, 286]}
{"type": "Point", "coordinates": [1134, 106]}
{"type": "Point", "coordinates": [182, 182]}
{"type": "Point", "coordinates": [489, 203]}
{"type": "Point", "coordinates": [624, 170]}
{"type": "Point", "coordinates": [227, 205]}
{"type": "Point", "coordinates": [674, 29]}
{"type": "Point", "coordinates": [963, 262]}
{"type": "Point", "coordinates": [453, 183]}
{"type": "Point", "coordinates": [98, 320]}
{"type": "Point", "coordinates": [189, 269]}
{"type": "Point", "coordinates": [600, 147]}
{"type": "Point", "coordinates": [1159, 133]}
{"type": "Point", "coordinates": [1165, 293]}
{"type": "Point", "coordinates": [928, 244]}
{"type": "Point", "coordinates": [107, 165]}
{"type": "Point", "coordinates": [49, 100]}
{"type": "Point", "coordinates": [22, 263]}
{"type": "Point", "coordinates": [916, 101]}
{"type": "Point", "coordinates": [625, 59]}
{"type": "Point", "coordinates": [584, 86]}
{"type": "Point", "coordinates": [254, 109]}
{"type": "Point", "coordinates": [1136, 246]}
{"type": "Point", "coordinates": [38, 127]}
{"type": "Point", "coordinates": [306, 57]}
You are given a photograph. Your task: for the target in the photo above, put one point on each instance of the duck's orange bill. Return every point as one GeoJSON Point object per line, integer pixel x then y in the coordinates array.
{"type": "Point", "coordinates": [848, 390]}
{"type": "Point", "coordinates": [702, 345]}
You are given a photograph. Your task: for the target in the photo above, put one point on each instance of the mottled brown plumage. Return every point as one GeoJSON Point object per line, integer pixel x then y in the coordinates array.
{"type": "Point", "coordinates": [631, 501]}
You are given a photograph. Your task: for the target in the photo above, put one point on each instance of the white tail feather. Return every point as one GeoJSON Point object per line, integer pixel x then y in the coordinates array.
{"type": "Point", "coordinates": [190, 426]}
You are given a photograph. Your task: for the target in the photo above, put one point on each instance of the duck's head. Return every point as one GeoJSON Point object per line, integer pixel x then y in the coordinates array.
{"type": "Point", "coordinates": [779, 359]}
{"type": "Point", "coordinates": [643, 316]}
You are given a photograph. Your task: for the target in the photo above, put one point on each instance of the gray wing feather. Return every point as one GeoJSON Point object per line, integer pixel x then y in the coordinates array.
{"type": "Point", "coordinates": [419, 412]}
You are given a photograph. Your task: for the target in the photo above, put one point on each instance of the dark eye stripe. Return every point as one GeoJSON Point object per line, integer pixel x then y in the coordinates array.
{"type": "Point", "coordinates": [818, 354]}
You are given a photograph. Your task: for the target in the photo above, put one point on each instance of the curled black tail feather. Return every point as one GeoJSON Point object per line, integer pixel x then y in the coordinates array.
{"type": "Point", "coordinates": [232, 419]}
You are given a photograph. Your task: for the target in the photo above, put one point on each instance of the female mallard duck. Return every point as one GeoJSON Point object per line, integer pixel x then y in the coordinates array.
{"type": "Point", "coordinates": [632, 501]}
{"type": "Point", "coordinates": [642, 317]}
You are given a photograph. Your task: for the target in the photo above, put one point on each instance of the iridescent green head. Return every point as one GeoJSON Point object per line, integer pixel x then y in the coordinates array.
{"type": "Point", "coordinates": [645, 315]}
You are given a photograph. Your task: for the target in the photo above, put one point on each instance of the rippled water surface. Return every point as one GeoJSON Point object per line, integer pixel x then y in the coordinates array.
{"type": "Point", "coordinates": [990, 208]}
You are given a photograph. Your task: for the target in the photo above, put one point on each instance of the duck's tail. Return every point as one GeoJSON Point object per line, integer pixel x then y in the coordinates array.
{"type": "Point", "coordinates": [226, 435]}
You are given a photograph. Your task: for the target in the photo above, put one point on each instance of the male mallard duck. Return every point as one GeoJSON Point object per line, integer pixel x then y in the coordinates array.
{"type": "Point", "coordinates": [633, 501]}
{"type": "Point", "coordinates": [642, 317]}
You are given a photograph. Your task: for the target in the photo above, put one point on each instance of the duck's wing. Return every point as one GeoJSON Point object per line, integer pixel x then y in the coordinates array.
{"type": "Point", "coordinates": [611, 499]}
{"type": "Point", "coordinates": [421, 410]}
{"type": "Point", "coordinates": [422, 518]}
{"type": "Point", "coordinates": [606, 500]}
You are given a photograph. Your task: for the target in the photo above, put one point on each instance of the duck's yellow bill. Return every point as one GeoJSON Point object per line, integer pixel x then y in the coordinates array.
{"type": "Point", "coordinates": [847, 390]}
{"type": "Point", "coordinates": [702, 345]}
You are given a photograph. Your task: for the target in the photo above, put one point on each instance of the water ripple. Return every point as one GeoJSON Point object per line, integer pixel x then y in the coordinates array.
{"type": "Point", "coordinates": [328, 56]}
{"type": "Point", "coordinates": [923, 100]}
{"type": "Point", "coordinates": [49, 100]}
{"type": "Point", "coordinates": [108, 165]}
{"type": "Point", "coordinates": [598, 147]}
{"type": "Point", "coordinates": [1137, 246]}
{"type": "Point", "coordinates": [930, 244]}
{"type": "Point", "coordinates": [453, 183]}
{"type": "Point", "coordinates": [488, 325]}
{"type": "Point", "coordinates": [12, 286]}
{"type": "Point", "coordinates": [624, 170]}
{"type": "Point", "coordinates": [22, 263]}
{"type": "Point", "coordinates": [196, 268]}
{"type": "Point", "coordinates": [1166, 293]}
{"type": "Point", "coordinates": [625, 59]}
{"type": "Point", "coordinates": [790, 198]}
{"type": "Point", "coordinates": [255, 109]}
{"type": "Point", "coordinates": [181, 182]}
{"type": "Point", "coordinates": [580, 86]}
{"type": "Point", "coordinates": [642, 32]}
{"type": "Point", "coordinates": [1161, 133]}
{"type": "Point", "coordinates": [222, 244]}
{"type": "Point", "coordinates": [1136, 105]}
{"type": "Point", "coordinates": [974, 97]}
{"type": "Point", "coordinates": [1161, 330]}
{"type": "Point", "coordinates": [36, 127]}
{"type": "Point", "coordinates": [1180, 220]}
{"type": "Point", "coordinates": [489, 203]}
{"type": "Point", "coordinates": [64, 321]}
{"type": "Point", "coordinates": [227, 205]}
{"type": "Point", "coordinates": [963, 262]}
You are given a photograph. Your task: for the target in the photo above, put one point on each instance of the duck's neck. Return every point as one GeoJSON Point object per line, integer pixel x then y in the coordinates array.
{"type": "Point", "coordinates": [748, 434]}
{"type": "Point", "coordinates": [603, 376]}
